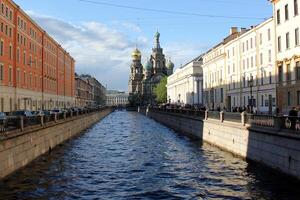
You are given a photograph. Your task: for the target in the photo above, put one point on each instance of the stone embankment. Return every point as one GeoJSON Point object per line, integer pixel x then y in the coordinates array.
{"type": "Point", "coordinates": [276, 148]}
{"type": "Point", "coordinates": [20, 147]}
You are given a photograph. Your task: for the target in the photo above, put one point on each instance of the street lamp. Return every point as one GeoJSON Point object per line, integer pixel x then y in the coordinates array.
{"type": "Point", "coordinates": [250, 83]}
{"type": "Point", "coordinates": [193, 97]}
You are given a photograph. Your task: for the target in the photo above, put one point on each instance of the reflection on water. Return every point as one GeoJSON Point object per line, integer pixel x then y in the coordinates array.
{"type": "Point", "coordinates": [128, 156]}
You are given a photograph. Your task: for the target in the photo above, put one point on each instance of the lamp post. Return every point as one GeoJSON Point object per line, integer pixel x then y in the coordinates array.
{"type": "Point", "coordinates": [193, 94]}
{"type": "Point", "coordinates": [250, 83]}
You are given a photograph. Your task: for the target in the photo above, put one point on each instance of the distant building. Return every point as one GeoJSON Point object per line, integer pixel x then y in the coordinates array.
{"type": "Point", "coordinates": [185, 86]}
{"type": "Point", "coordinates": [99, 91]}
{"type": "Point", "coordinates": [144, 78]}
{"type": "Point", "coordinates": [84, 92]}
{"type": "Point", "coordinates": [116, 98]}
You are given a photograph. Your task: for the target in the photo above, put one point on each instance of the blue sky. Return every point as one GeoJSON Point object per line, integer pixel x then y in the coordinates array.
{"type": "Point", "coordinates": [101, 37]}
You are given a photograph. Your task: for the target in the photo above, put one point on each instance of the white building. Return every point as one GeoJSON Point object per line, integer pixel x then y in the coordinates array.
{"type": "Point", "coordinates": [244, 55]}
{"type": "Point", "coordinates": [117, 99]}
{"type": "Point", "coordinates": [287, 25]}
{"type": "Point", "coordinates": [185, 85]}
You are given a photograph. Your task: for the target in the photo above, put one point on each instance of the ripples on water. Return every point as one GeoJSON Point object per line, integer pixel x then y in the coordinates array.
{"type": "Point", "coordinates": [128, 156]}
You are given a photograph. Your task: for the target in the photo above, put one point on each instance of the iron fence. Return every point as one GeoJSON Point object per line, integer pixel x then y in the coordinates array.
{"type": "Point", "coordinates": [11, 123]}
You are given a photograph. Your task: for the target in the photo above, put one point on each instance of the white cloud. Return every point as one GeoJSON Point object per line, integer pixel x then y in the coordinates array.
{"type": "Point", "coordinates": [97, 48]}
{"type": "Point", "coordinates": [104, 52]}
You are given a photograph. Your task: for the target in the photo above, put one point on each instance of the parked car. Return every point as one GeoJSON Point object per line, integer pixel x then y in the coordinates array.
{"type": "Point", "coordinates": [38, 113]}
{"type": "Point", "coordinates": [3, 121]}
{"type": "Point", "coordinates": [24, 113]}
{"type": "Point", "coordinates": [57, 111]}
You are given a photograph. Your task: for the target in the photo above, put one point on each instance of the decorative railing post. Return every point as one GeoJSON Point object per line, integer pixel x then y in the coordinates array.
{"type": "Point", "coordinates": [206, 115]}
{"type": "Point", "coordinates": [42, 120]}
{"type": "Point", "coordinates": [278, 122]}
{"type": "Point", "coordinates": [222, 116]}
{"type": "Point", "coordinates": [22, 123]}
{"type": "Point", "coordinates": [55, 117]}
{"type": "Point", "coordinates": [243, 118]}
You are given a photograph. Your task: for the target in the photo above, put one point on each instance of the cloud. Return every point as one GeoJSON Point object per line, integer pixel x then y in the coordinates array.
{"type": "Point", "coordinates": [98, 49]}
{"type": "Point", "coordinates": [104, 51]}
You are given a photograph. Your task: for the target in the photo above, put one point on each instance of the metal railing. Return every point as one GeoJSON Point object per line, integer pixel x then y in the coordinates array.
{"type": "Point", "coordinates": [11, 123]}
{"type": "Point", "coordinates": [253, 120]}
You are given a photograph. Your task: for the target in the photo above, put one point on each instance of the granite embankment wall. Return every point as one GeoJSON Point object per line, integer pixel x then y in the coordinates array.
{"type": "Point", "coordinates": [19, 148]}
{"type": "Point", "coordinates": [278, 150]}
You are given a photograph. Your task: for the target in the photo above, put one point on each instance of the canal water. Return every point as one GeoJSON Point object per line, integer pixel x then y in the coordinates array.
{"type": "Point", "coordinates": [129, 156]}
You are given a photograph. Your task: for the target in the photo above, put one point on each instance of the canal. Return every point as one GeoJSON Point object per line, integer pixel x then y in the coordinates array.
{"type": "Point", "coordinates": [129, 156]}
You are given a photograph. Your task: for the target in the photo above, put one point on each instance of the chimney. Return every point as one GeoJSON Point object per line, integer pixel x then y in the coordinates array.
{"type": "Point", "coordinates": [233, 30]}
{"type": "Point", "coordinates": [243, 30]}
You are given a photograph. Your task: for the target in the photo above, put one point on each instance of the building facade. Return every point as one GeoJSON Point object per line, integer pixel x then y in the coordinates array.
{"type": "Point", "coordinates": [99, 91]}
{"type": "Point", "coordinates": [117, 98]}
{"type": "Point", "coordinates": [185, 86]}
{"type": "Point", "coordinates": [84, 92]}
{"type": "Point", "coordinates": [240, 71]}
{"type": "Point", "coordinates": [287, 25]}
{"type": "Point", "coordinates": [144, 78]}
{"type": "Point", "coordinates": [35, 71]}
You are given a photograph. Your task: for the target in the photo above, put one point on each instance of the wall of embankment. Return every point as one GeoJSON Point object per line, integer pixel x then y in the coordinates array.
{"type": "Point", "coordinates": [278, 150]}
{"type": "Point", "coordinates": [19, 148]}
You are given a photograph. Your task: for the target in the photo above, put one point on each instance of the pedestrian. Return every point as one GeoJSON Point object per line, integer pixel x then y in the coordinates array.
{"type": "Point", "coordinates": [293, 114]}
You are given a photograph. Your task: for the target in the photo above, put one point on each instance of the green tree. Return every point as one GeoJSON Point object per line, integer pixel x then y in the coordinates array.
{"type": "Point", "coordinates": [160, 91]}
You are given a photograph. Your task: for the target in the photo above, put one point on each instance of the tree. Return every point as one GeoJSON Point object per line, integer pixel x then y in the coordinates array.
{"type": "Point", "coordinates": [160, 91]}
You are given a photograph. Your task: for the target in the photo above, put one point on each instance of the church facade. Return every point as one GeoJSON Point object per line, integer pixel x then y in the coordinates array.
{"type": "Point", "coordinates": [143, 78]}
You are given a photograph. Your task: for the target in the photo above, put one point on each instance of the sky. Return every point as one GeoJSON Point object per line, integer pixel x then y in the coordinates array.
{"type": "Point", "coordinates": [101, 34]}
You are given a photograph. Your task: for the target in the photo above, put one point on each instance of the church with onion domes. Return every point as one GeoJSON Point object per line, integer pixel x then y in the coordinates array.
{"type": "Point", "coordinates": [143, 78]}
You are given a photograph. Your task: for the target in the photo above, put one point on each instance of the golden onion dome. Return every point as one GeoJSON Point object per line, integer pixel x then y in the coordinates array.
{"type": "Point", "coordinates": [136, 53]}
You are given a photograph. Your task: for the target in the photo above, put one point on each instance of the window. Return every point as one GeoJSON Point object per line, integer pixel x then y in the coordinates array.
{"type": "Point", "coordinates": [262, 78]}
{"type": "Point", "coordinates": [278, 16]}
{"type": "Point", "coordinates": [280, 73]}
{"type": "Point", "coordinates": [10, 51]}
{"type": "Point", "coordinates": [252, 61]}
{"type": "Point", "coordinates": [289, 97]}
{"type": "Point", "coordinates": [18, 75]}
{"type": "Point", "coordinates": [287, 40]}
{"type": "Point", "coordinates": [269, 34]}
{"type": "Point", "coordinates": [18, 55]}
{"type": "Point", "coordinates": [222, 95]}
{"type": "Point", "coordinates": [296, 11]}
{"type": "Point", "coordinates": [24, 58]}
{"type": "Point", "coordinates": [297, 37]}
{"type": "Point", "coordinates": [260, 38]}
{"type": "Point", "coordinates": [1, 72]}
{"type": "Point", "coordinates": [247, 45]}
{"type": "Point", "coordinates": [261, 59]}
{"type": "Point", "coordinates": [270, 77]}
{"type": "Point", "coordinates": [270, 55]}
{"type": "Point", "coordinates": [262, 101]}
{"type": "Point", "coordinates": [1, 48]}
{"type": "Point", "coordinates": [288, 72]}
{"type": "Point", "coordinates": [251, 43]}
{"type": "Point", "coordinates": [298, 70]}
{"type": "Point", "coordinates": [286, 10]}
{"type": "Point", "coordinates": [10, 74]}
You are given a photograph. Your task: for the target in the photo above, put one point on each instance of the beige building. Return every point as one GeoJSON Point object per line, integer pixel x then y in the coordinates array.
{"type": "Point", "coordinates": [185, 86]}
{"type": "Point", "coordinates": [116, 98]}
{"type": "Point", "coordinates": [246, 54]}
{"type": "Point", "coordinates": [287, 25]}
